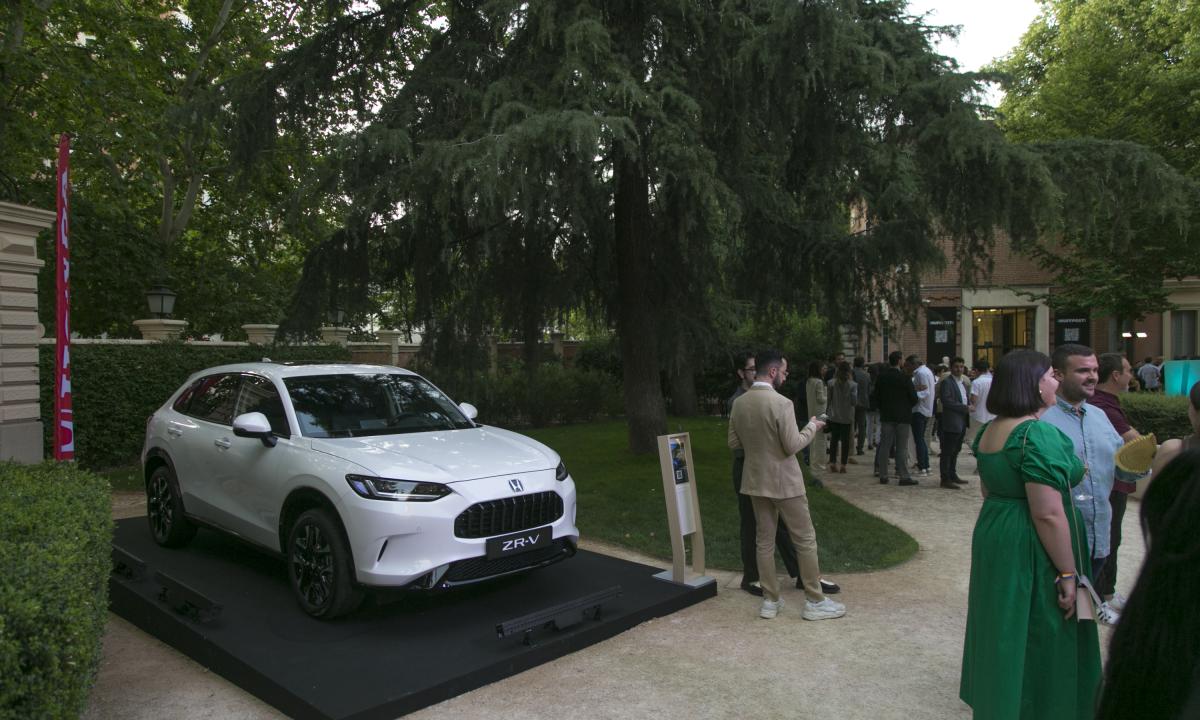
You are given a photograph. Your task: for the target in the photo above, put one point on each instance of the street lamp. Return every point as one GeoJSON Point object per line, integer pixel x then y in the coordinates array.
{"type": "Point", "coordinates": [161, 301]}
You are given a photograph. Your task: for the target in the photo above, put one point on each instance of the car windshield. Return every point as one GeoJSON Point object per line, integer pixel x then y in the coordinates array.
{"type": "Point", "coordinates": [332, 406]}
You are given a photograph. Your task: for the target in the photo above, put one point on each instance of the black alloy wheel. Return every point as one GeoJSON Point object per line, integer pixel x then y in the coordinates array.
{"type": "Point", "coordinates": [164, 510]}
{"type": "Point", "coordinates": [320, 567]}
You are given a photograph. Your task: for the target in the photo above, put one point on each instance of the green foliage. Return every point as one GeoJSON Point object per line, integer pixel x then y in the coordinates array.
{"type": "Point", "coordinates": [55, 547]}
{"type": "Point", "coordinates": [1103, 91]}
{"type": "Point", "coordinates": [143, 88]}
{"type": "Point", "coordinates": [1112, 69]}
{"type": "Point", "coordinates": [551, 394]}
{"type": "Point", "coordinates": [799, 336]}
{"type": "Point", "coordinates": [600, 352]}
{"type": "Point", "coordinates": [621, 499]}
{"type": "Point", "coordinates": [1164, 416]}
{"type": "Point", "coordinates": [115, 388]}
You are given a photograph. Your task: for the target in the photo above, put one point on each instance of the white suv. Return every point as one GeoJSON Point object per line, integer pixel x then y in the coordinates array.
{"type": "Point", "coordinates": [359, 475]}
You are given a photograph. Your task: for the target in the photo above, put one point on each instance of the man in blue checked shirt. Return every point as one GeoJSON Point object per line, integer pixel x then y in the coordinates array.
{"type": "Point", "coordinates": [1096, 444]}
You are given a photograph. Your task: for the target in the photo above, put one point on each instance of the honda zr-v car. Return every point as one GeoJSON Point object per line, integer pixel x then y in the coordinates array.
{"type": "Point", "coordinates": [358, 475]}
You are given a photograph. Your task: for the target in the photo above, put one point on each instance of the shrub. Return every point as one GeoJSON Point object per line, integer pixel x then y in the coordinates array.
{"type": "Point", "coordinates": [1164, 416]}
{"type": "Point", "coordinates": [55, 545]}
{"type": "Point", "coordinates": [116, 387]}
{"type": "Point", "coordinates": [555, 395]}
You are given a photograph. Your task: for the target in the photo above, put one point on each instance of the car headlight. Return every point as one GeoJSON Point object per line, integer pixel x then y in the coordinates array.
{"type": "Point", "coordinates": [560, 472]}
{"type": "Point", "coordinates": [377, 488]}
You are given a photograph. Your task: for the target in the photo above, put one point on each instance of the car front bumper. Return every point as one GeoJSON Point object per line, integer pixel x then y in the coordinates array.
{"type": "Point", "coordinates": [413, 544]}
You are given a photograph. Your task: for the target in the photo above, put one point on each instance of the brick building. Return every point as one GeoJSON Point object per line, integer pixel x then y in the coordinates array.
{"type": "Point", "coordinates": [994, 318]}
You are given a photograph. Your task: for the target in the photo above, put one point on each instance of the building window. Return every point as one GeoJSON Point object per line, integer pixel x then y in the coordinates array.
{"type": "Point", "coordinates": [999, 331]}
{"type": "Point", "coordinates": [1183, 334]}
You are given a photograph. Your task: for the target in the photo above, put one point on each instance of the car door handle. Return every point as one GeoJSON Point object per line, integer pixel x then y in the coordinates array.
{"type": "Point", "coordinates": [223, 443]}
{"type": "Point", "coordinates": [174, 432]}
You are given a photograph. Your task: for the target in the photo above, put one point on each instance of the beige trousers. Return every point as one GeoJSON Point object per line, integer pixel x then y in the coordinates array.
{"type": "Point", "coordinates": [794, 511]}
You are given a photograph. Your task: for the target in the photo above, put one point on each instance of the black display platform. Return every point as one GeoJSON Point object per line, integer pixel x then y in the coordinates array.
{"type": "Point", "coordinates": [397, 655]}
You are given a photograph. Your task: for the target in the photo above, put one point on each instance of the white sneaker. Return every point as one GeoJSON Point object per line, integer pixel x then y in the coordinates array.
{"type": "Point", "coordinates": [825, 610]}
{"type": "Point", "coordinates": [769, 609]}
{"type": "Point", "coordinates": [1106, 614]}
{"type": "Point", "coordinates": [1117, 602]}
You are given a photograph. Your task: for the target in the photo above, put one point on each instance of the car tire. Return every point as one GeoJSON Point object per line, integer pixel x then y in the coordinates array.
{"type": "Point", "coordinates": [320, 566]}
{"type": "Point", "coordinates": [164, 510]}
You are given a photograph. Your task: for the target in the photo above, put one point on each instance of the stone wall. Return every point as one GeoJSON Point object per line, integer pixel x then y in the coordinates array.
{"type": "Point", "coordinates": [20, 426]}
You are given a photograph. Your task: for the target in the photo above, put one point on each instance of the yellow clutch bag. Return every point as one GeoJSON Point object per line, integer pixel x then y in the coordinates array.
{"type": "Point", "coordinates": [1136, 455]}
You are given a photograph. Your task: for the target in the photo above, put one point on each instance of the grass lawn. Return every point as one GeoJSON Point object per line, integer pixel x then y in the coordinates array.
{"type": "Point", "coordinates": [128, 477]}
{"type": "Point", "coordinates": [621, 499]}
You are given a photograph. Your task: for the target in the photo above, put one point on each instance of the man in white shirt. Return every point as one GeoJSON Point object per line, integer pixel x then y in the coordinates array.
{"type": "Point", "coordinates": [979, 392]}
{"type": "Point", "coordinates": [923, 382]}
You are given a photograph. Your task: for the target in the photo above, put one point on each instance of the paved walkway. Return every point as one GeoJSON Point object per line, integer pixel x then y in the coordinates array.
{"type": "Point", "coordinates": [896, 654]}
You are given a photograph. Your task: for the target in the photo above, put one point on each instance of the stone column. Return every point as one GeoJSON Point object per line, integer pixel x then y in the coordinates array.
{"type": "Point", "coordinates": [335, 335]}
{"type": "Point", "coordinates": [391, 338]}
{"type": "Point", "coordinates": [20, 410]}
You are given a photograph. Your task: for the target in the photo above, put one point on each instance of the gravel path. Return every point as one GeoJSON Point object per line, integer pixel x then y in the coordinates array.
{"type": "Point", "coordinates": [896, 654]}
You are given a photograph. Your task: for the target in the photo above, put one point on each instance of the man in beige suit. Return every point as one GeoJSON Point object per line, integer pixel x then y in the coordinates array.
{"type": "Point", "coordinates": [763, 424]}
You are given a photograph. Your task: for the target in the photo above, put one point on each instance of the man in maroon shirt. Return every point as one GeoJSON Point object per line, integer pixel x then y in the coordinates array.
{"type": "Point", "coordinates": [1115, 374]}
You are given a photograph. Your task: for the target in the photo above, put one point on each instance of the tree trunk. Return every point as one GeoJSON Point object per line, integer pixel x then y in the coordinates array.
{"type": "Point", "coordinates": [645, 411]}
{"type": "Point", "coordinates": [683, 388]}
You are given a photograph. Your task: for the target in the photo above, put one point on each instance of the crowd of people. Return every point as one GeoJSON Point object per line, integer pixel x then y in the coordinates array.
{"type": "Point", "coordinates": [1046, 432]}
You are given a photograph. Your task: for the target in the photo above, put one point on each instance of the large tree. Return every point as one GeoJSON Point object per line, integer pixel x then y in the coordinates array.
{"type": "Point", "coordinates": [1123, 71]}
{"type": "Point", "coordinates": [676, 156]}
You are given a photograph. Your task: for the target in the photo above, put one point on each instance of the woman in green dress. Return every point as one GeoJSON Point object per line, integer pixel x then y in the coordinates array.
{"type": "Point", "coordinates": [1026, 655]}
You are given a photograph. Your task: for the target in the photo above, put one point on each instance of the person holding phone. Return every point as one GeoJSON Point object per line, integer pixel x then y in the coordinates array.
{"type": "Point", "coordinates": [763, 423]}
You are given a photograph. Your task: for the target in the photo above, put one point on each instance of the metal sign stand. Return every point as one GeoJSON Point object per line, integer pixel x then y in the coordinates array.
{"type": "Point", "coordinates": [683, 510]}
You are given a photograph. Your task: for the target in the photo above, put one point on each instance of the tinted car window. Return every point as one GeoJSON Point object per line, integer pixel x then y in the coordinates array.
{"type": "Point", "coordinates": [259, 395]}
{"type": "Point", "coordinates": [214, 397]}
{"type": "Point", "coordinates": [380, 404]}
{"type": "Point", "coordinates": [185, 398]}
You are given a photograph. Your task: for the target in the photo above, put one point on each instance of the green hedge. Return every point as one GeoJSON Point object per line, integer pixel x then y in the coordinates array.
{"type": "Point", "coordinates": [1164, 416]}
{"type": "Point", "coordinates": [553, 395]}
{"type": "Point", "coordinates": [115, 388]}
{"type": "Point", "coordinates": [55, 548]}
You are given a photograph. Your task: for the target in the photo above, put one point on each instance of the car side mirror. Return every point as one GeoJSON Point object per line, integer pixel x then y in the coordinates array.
{"type": "Point", "coordinates": [254, 425]}
{"type": "Point", "coordinates": [469, 410]}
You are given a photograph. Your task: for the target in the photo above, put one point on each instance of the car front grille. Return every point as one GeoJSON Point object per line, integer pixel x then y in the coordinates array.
{"type": "Point", "coordinates": [496, 517]}
{"type": "Point", "coordinates": [480, 568]}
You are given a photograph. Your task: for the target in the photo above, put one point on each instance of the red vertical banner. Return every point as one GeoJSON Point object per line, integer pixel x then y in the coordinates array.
{"type": "Point", "coordinates": [64, 420]}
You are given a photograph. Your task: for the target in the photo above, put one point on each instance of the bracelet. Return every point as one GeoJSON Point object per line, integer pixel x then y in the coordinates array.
{"type": "Point", "coordinates": [1064, 576]}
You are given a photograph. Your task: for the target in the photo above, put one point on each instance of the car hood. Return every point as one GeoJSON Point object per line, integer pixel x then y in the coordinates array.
{"type": "Point", "coordinates": [445, 456]}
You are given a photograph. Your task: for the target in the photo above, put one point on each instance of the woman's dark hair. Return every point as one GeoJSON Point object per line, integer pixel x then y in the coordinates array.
{"type": "Point", "coordinates": [814, 369]}
{"type": "Point", "coordinates": [1194, 396]}
{"type": "Point", "coordinates": [843, 372]}
{"type": "Point", "coordinates": [1155, 650]}
{"type": "Point", "coordinates": [1015, 384]}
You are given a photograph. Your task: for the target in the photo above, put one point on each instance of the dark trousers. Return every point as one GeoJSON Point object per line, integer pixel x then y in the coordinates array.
{"type": "Point", "coordinates": [749, 528]}
{"type": "Point", "coordinates": [893, 434]}
{"type": "Point", "coordinates": [839, 437]}
{"type": "Point", "coordinates": [1106, 584]}
{"type": "Point", "coordinates": [919, 422]}
{"type": "Point", "coordinates": [948, 461]}
{"type": "Point", "coordinates": [860, 428]}
{"type": "Point", "coordinates": [1097, 570]}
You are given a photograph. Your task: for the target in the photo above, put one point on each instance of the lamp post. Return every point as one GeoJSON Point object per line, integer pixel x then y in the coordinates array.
{"type": "Point", "coordinates": [161, 301]}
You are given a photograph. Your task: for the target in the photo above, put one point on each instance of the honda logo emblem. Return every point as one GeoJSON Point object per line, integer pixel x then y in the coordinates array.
{"type": "Point", "coordinates": [516, 485]}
